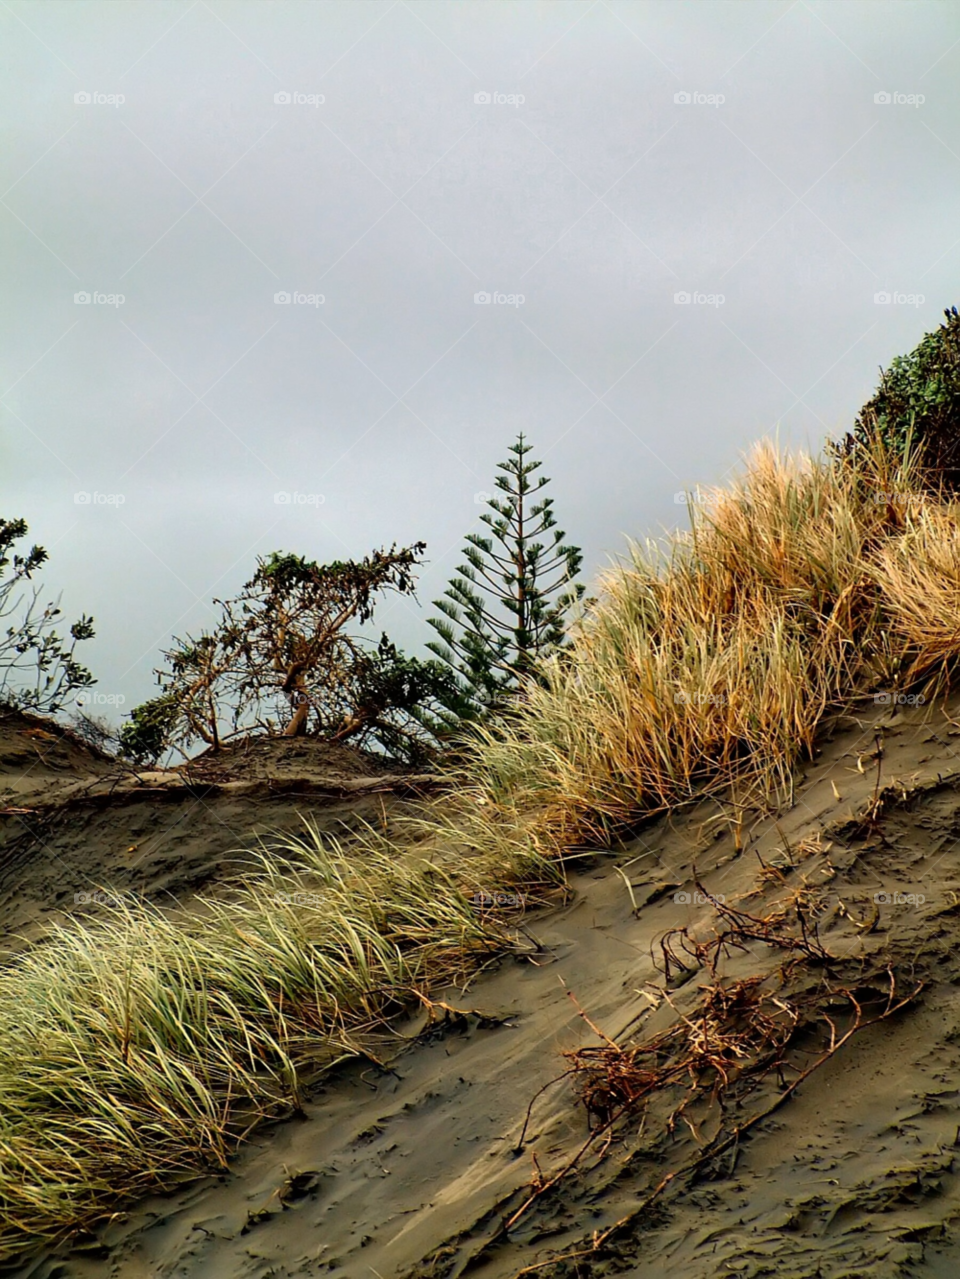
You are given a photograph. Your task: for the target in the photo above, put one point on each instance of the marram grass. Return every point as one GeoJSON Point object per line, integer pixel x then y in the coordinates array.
{"type": "Point", "coordinates": [141, 1049]}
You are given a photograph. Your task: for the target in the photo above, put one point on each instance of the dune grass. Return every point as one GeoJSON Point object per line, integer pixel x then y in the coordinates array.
{"type": "Point", "coordinates": [713, 656]}
{"type": "Point", "coordinates": [144, 1048]}
{"type": "Point", "coordinates": [919, 574]}
{"type": "Point", "coordinates": [141, 1049]}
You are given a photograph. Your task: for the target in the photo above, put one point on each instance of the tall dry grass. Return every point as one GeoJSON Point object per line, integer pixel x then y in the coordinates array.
{"type": "Point", "coordinates": [713, 655]}
{"type": "Point", "coordinates": [919, 575]}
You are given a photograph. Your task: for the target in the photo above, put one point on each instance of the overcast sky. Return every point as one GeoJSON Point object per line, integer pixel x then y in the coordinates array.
{"type": "Point", "coordinates": [582, 163]}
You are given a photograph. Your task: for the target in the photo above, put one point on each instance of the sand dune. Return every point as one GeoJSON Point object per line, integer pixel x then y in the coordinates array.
{"type": "Point", "coordinates": [412, 1171]}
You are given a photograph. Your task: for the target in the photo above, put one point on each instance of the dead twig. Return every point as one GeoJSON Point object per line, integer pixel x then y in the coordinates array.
{"type": "Point", "coordinates": [738, 928]}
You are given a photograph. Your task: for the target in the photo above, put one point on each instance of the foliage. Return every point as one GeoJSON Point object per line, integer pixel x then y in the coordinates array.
{"type": "Point", "coordinates": [918, 402]}
{"type": "Point", "coordinates": [147, 734]}
{"type": "Point", "coordinates": [282, 660]}
{"type": "Point", "coordinates": [389, 701]}
{"type": "Point", "coordinates": [706, 668]}
{"type": "Point", "coordinates": [505, 612]}
{"type": "Point", "coordinates": [38, 669]}
{"type": "Point", "coordinates": [711, 659]}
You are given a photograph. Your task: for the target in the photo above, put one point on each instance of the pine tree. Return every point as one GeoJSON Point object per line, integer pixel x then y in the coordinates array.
{"type": "Point", "coordinates": [505, 611]}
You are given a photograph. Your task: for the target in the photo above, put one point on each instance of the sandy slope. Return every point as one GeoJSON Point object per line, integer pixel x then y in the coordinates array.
{"type": "Point", "coordinates": [412, 1172]}
{"type": "Point", "coordinates": [73, 821]}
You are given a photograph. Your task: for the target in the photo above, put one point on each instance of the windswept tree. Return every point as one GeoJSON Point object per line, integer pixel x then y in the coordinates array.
{"type": "Point", "coordinates": [286, 633]}
{"type": "Point", "coordinates": [506, 610]}
{"type": "Point", "coordinates": [284, 659]}
{"type": "Point", "coordinates": [38, 669]}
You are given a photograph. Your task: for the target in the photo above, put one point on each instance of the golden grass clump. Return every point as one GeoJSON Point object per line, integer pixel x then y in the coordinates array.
{"type": "Point", "coordinates": [708, 662]}
{"type": "Point", "coordinates": [919, 574]}
{"type": "Point", "coordinates": [142, 1049]}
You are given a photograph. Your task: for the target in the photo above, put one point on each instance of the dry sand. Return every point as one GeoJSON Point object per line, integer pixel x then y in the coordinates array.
{"type": "Point", "coordinates": [411, 1172]}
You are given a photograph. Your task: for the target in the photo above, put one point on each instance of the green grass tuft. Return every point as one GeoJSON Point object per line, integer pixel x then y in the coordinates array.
{"type": "Point", "coordinates": [142, 1049]}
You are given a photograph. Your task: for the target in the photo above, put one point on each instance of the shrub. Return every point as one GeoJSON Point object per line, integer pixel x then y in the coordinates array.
{"type": "Point", "coordinates": [146, 736]}
{"type": "Point", "coordinates": [282, 660]}
{"type": "Point", "coordinates": [918, 403]}
{"type": "Point", "coordinates": [707, 664]}
{"type": "Point", "coordinates": [148, 1046]}
{"type": "Point", "coordinates": [38, 669]}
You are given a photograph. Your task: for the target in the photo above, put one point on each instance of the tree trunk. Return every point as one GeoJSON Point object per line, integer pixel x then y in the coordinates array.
{"type": "Point", "coordinates": [301, 710]}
